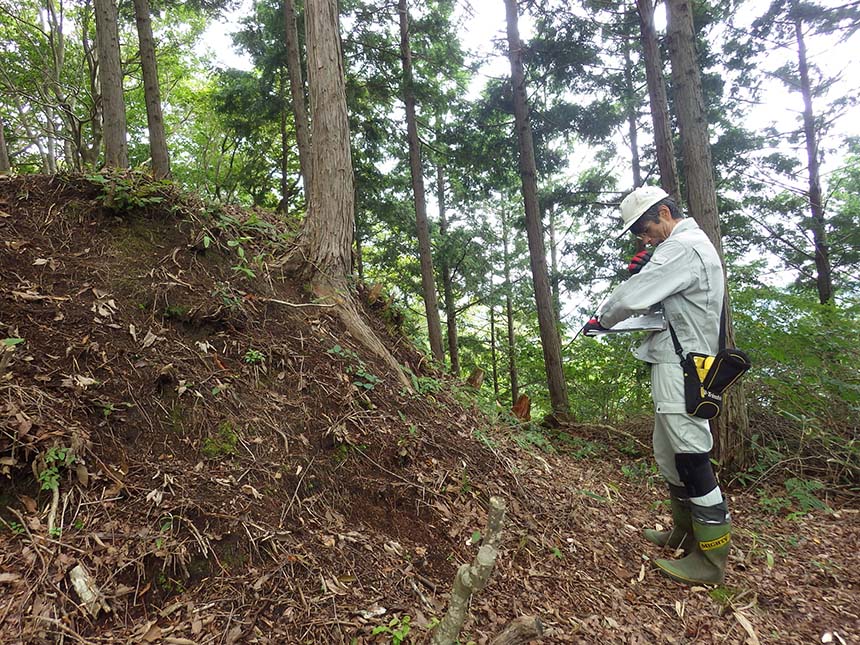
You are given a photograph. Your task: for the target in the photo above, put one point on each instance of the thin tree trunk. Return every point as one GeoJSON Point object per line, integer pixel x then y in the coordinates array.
{"type": "Point", "coordinates": [632, 126]}
{"type": "Point", "coordinates": [509, 311]}
{"type": "Point", "coordinates": [152, 93]}
{"type": "Point", "coordinates": [297, 91]}
{"type": "Point", "coordinates": [659, 103]}
{"type": "Point", "coordinates": [110, 77]}
{"type": "Point", "coordinates": [824, 280]}
{"type": "Point", "coordinates": [550, 341]}
{"type": "Point", "coordinates": [447, 287]}
{"type": "Point", "coordinates": [493, 356]}
{"type": "Point", "coordinates": [731, 429]}
{"type": "Point", "coordinates": [554, 281]}
{"type": "Point", "coordinates": [283, 205]}
{"type": "Point", "coordinates": [5, 167]}
{"type": "Point", "coordinates": [425, 252]}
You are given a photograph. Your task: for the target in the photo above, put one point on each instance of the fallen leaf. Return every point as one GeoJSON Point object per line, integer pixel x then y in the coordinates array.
{"type": "Point", "coordinates": [748, 628]}
{"type": "Point", "coordinates": [9, 577]}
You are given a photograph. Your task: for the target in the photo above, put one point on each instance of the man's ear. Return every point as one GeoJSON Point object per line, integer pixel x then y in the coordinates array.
{"type": "Point", "coordinates": [664, 212]}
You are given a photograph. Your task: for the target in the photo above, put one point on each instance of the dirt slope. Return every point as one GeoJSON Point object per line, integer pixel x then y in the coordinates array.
{"type": "Point", "coordinates": [229, 467]}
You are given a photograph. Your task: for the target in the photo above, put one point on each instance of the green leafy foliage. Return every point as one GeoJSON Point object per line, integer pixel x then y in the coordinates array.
{"type": "Point", "coordinates": [56, 458]}
{"type": "Point", "coordinates": [222, 443]}
{"type": "Point", "coordinates": [124, 192]}
{"type": "Point", "coordinates": [361, 377]}
{"type": "Point", "coordinates": [397, 628]}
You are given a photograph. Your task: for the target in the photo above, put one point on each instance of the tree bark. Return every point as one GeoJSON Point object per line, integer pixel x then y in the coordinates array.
{"type": "Point", "coordinates": [472, 578]}
{"type": "Point", "coordinates": [824, 279]}
{"type": "Point", "coordinates": [152, 93]}
{"type": "Point", "coordinates": [509, 311]}
{"type": "Point", "coordinates": [554, 281]}
{"type": "Point", "coordinates": [521, 631]}
{"type": "Point", "coordinates": [550, 341]}
{"type": "Point", "coordinates": [658, 101]}
{"type": "Point", "coordinates": [5, 167]}
{"type": "Point", "coordinates": [447, 287]}
{"type": "Point", "coordinates": [110, 80]}
{"type": "Point", "coordinates": [324, 246]}
{"type": "Point", "coordinates": [425, 251]}
{"type": "Point", "coordinates": [632, 113]}
{"type": "Point", "coordinates": [493, 356]}
{"type": "Point", "coordinates": [297, 91]}
{"type": "Point", "coordinates": [731, 429]}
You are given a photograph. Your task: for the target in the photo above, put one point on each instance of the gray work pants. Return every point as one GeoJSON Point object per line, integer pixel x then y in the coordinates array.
{"type": "Point", "coordinates": [675, 431]}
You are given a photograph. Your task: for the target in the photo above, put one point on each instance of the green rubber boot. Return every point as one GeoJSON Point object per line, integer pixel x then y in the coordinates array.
{"type": "Point", "coordinates": [706, 564]}
{"type": "Point", "coordinates": [681, 533]}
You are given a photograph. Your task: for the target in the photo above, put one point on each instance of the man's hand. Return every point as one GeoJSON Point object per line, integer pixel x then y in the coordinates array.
{"type": "Point", "coordinates": [592, 326]}
{"type": "Point", "coordinates": [638, 261]}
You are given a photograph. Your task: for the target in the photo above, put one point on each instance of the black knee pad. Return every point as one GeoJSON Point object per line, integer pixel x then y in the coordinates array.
{"type": "Point", "coordinates": [696, 472]}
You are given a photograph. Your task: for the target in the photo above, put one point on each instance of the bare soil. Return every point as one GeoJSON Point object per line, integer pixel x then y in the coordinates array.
{"type": "Point", "coordinates": [231, 467]}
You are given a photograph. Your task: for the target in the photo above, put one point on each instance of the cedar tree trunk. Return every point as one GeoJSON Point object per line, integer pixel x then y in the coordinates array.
{"type": "Point", "coordinates": [447, 287]}
{"type": "Point", "coordinates": [425, 252]}
{"type": "Point", "coordinates": [297, 91]}
{"type": "Point", "coordinates": [110, 81]}
{"type": "Point", "coordinates": [152, 94]}
{"type": "Point", "coordinates": [550, 341]}
{"type": "Point", "coordinates": [731, 429]}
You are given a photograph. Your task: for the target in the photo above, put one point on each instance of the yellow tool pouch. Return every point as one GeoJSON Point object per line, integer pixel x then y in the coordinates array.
{"type": "Point", "coordinates": [707, 377]}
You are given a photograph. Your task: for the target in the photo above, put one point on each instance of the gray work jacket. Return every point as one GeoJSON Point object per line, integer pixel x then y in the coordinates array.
{"type": "Point", "coordinates": [685, 276]}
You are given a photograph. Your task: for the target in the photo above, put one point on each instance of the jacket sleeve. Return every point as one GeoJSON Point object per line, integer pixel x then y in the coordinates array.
{"type": "Point", "coordinates": [669, 271]}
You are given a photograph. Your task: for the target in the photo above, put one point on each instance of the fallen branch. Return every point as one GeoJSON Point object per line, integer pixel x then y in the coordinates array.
{"type": "Point", "coordinates": [471, 578]}
{"type": "Point", "coordinates": [522, 630]}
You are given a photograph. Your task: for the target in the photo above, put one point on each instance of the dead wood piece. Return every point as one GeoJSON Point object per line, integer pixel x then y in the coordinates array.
{"type": "Point", "coordinates": [476, 378]}
{"type": "Point", "coordinates": [522, 408]}
{"type": "Point", "coordinates": [522, 630]}
{"type": "Point", "coordinates": [471, 578]}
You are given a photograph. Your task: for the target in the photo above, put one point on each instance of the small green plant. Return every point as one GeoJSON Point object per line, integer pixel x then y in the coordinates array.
{"type": "Point", "coordinates": [638, 470]}
{"type": "Point", "coordinates": [55, 532]}
{"type": "Point", "coordinates": [242, 266]}
{"type": "Point", "coordinates": [15, 527]}
{"type": "Point", "coordinates": [253, 357]}
{"type": "Point", "coordinates": [798, 500]}
{"type": "Point", "coordinates": [397, 628]}
{"type": "Point", "coordinates": [55, 458]}
{"type": "Point", "coordinates": [535, 438]}
{"type": "Point", "coordinates": [126, 192]}
{"type": "Point", "coordinates": [11, 342]}
{"type": "Point", "coordinates": [222, 444]}
{"type": "Point", "coordinates": [355, 367]}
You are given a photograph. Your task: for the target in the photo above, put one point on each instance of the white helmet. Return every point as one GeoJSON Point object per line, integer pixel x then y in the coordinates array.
{"type": "Point", "coordinates": [637, 202]}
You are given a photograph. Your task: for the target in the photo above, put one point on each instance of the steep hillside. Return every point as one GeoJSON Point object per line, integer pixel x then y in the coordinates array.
{"type": "Point", "coordinates": [229, 466]}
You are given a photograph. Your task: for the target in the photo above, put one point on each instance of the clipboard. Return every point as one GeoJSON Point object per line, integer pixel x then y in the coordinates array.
{"type": "Point", "coordinates": [645, 322]}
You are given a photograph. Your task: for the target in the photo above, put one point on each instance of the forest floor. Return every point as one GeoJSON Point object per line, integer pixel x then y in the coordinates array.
{"type": "Point", "coordinates": [229, 466]}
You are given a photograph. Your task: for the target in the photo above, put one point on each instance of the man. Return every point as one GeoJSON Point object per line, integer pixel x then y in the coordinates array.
{"type": "Point", "coordinates": [684, 276]}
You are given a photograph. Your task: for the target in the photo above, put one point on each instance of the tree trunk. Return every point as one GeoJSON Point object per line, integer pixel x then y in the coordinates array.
{"type": "Point", "coordinates": [327, 230]}
{"type": "Point", "coordinates": [632, 113]}
{"type": "Point", "coordinates": [425, 252]}
{"type": "Point", "coordinates": [658, 101]}
{"type": "Point", "coordinates": [110, 80]}
{"type": "Point", "coordinates": [297, 91]}
{"type": "Point", "coordinates": [550, 342]}
{"type": "Point", "coordinates": [152, 94]}
{"type": "Point", "coordinates": [509, 311]}
{"type": "Point", "coordinates": [824, 280]}
{"type": "Point", "coordinates": [5, 167]}
{"type": "Point", "coordinates": [554, 281]}
{"type": "Point", "coordinates": [323, 251]}
{"type": "Point", "coordinates": [447, 287]}
{"type": "Point", "coordinates": [731, 429]}
{"type": "Point", "coordinates": [283, 203]}
{"type": "Point", "coordinates": [493, 356]}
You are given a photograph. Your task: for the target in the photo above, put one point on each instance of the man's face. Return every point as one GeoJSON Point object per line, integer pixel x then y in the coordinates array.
{"type": "Point", "coordinates": [654, 233]}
